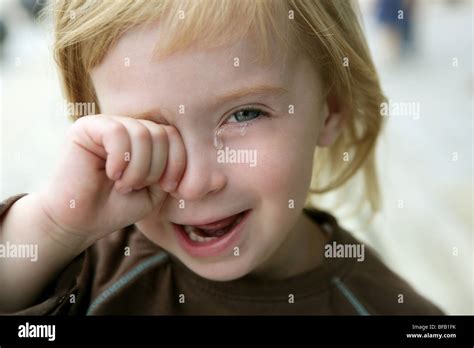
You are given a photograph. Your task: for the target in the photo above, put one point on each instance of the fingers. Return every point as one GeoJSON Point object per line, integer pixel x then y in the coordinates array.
{"type": "Point", "coordinates": [176, 166]}
{"type": "Point", "coordinates": [139, 157]}
{"type": "Point", "coordinates": [168, 161]}
{"type": "Point", "coordinates": [138, 153]}
{"type": "Point", "coordinates": [165, 155]}
{"type": "Point", "coordinates": [105, 138]}
{"type": "Point", "coordinates": [159, 157]}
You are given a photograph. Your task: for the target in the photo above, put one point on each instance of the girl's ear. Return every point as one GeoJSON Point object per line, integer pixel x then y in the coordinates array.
{"type": "Point", "coordinates": [333, 121]}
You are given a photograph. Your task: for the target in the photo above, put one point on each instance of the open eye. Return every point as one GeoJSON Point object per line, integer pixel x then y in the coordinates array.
{"type": "Point", "coordinates": [246, 114]}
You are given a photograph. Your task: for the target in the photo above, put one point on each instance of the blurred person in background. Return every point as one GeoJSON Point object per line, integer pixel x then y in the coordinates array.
{"type": "Point", "coordinates": [395, 18]}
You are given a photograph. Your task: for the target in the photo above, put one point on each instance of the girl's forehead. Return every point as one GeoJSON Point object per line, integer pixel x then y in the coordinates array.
{"type": "Point", "coordinates": [134, 62]}
{"type": "Point", "coordinates": [147, 40]}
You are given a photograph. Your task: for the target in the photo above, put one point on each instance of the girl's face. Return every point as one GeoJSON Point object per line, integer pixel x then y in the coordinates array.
{"type": "Point", "coordinates": [268, 180]}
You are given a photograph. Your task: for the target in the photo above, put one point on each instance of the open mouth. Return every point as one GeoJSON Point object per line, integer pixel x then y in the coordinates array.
{"type": "Point", "coordinates": [213, 238]}
{"type": "Point", "coordinates": [213, 231]}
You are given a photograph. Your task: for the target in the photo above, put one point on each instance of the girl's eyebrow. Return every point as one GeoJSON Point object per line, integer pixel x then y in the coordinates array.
{"type": "Point", "coordinates": [254, 90]}
{"type": "Point", "coordinates": [276, 91]}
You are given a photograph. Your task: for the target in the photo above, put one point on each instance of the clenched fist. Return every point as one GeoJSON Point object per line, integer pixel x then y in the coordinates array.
{"type": "Point", "coordinates": [114, 170]}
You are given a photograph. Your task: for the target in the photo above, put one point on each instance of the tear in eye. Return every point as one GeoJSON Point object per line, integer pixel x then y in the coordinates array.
{"type": "Point", "coordinates": [238, 123]}
{"type": "Point", "coordinates": [240, 128]}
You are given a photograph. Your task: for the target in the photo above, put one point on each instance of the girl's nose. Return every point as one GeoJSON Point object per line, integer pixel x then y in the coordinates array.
{"type": "Point", "coordinates": [203, 176]}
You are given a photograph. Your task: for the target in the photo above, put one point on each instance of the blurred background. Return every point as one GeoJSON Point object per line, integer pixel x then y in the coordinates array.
{"type": "Point", "coordinates": [424, 55]}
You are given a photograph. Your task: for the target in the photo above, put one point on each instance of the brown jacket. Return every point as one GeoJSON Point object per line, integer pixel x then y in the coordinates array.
{"type": "Point", "coordinates": [103, 281]}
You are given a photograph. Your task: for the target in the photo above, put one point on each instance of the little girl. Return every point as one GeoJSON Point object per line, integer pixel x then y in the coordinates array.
{"type": "Point", "coordinates": [145, 214]}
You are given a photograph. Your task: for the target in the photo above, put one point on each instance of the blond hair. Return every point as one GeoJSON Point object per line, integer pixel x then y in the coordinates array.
{"type": "Point", "coordinates": [326, 31]}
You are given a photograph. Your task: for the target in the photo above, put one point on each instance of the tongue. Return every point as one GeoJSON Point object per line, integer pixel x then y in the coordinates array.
{"type": "Point", "coordinates": [217, 225]}
{"type": "Point", "coordinates": [213, 233]}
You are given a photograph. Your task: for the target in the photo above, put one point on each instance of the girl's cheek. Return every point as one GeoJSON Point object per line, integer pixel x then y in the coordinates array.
{"type": "Point", "coordinates": [280, 163]}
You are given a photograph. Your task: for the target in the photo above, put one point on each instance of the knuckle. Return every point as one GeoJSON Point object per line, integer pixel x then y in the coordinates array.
{"type": "Point", "coordinates": [80, 121]}
{"type": "Point", "coordinates": [172, 134]}
{"type": "Point", "coordinates": [159, 135]}
{"type": "Point", "coordinates": [116, 129]}
{"type": "Point", "coordinates": [78, 125]}
{"type": "Point", "coordinates": [142, 133]}
{"type": "Point", "coordinates": [172, 131]}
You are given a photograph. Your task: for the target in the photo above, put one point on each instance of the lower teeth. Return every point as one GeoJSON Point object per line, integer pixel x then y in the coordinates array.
{"type": "Point", "coordinates": [197, 238]}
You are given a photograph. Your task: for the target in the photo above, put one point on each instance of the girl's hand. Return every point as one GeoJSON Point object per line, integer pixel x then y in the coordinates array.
{"type": "Point", "coordinates": [113, 172]}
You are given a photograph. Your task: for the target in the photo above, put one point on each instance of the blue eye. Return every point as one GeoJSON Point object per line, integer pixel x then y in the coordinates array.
{"type": "Point", "coordinates": [246, 115]}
